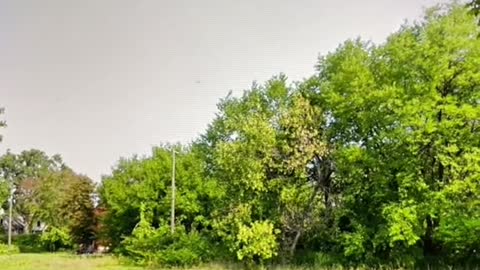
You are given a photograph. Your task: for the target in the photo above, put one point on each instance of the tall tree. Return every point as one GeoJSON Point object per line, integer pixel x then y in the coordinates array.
{"type": "Point", "coordinates": [77, 208]}
{"type": "Point", "coordinates": [404, 121]}
{"type": "Point", "coordinates": [270, 154]}
{"type": "Point", "coordinates": [24, 172]}
{"type": "Point", "coordinates": [147, 181]}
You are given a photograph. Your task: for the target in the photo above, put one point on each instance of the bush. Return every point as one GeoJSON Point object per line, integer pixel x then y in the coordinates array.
{"type": "Point", "coordinates": [28, 243]}
{"type": "Point", "coordinates": [56, 239]}
{"type": "Point", "coordinates": [53, 240]}
{"type": "Point", "coordinates": [149, 246]}
{"type": "Point", "coordinates": [6, 250]}
{"type": "Point", "coordinates": [318, 259]}
{"type": "Point", "coordinates": [257, 242]}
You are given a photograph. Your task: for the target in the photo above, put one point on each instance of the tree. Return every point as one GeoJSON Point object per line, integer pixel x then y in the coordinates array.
{"type": "Point", "coordinates": [47, 190]}
{"type": "Point", "coordinates": [77, 208]}
{"type": "Point", "coordinates": [65, 202]}
{"type": "Point", "coordinates": [24, 171]}
{"type": "Point", "coordinates": [404, 122]}
{"type": "Point", "coordinates": [146, 181]}
{"type": "Point", "coordinates": [270, 155]}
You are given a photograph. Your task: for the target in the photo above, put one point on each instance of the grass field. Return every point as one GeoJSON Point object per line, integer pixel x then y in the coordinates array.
{"type": "Point", "coordinates": [65, 261]}
{"type": "Point", "coordinates": [60, 261]}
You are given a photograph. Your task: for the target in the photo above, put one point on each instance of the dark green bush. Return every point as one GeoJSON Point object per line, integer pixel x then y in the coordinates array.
{"type": "Point", "coordinates": [318, 259]}
{"type": "Point", "coordinates": [28, 243]}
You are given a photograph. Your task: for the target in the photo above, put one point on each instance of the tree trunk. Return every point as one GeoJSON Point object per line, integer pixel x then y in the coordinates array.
{"type": "Point", "coordinates": [322, 180]}
{"type": "Point", "coordinates": [295, 242]}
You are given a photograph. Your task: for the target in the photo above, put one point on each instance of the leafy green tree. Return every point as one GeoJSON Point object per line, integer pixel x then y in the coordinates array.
{"type": "Point", "coordinates": [147, 181]}
{"type": "Point", "coordinates": [74, 207]}
{"type": "Point", "coordinates": [24, 171]}
{"type": "Point", "coordinates": [403, 119]}
{"type": "Point", "coordinates": [270, 155]}
{"type": "Point", "coordinates": [48, 191]}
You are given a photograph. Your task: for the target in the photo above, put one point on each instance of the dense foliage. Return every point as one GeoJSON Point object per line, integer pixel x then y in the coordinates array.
{"type": "Point", "coordinates": [6, 250]}
{"type": "Point", "coordinates": [373, 160]}
{"type": "Point", "coordinates": [48, 193]}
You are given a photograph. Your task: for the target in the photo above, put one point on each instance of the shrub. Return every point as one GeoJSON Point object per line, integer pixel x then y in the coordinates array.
{"type": "Point", "coordinates": [56, 239]}
{"type": "Point", "coordinates": [151, 246]}
{"type": "Point", "coordinates": [159, 246]}
{"type": "Point", "coordinates": [6, 250]}
{"type": "Point", "coordinates": [318, 259]}
{"type": "Point", "coordinates": [257, 242]}
{"type": "Point", "coordinates": [28, 243]}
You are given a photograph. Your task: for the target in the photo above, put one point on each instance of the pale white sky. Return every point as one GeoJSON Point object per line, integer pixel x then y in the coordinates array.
{"type": "Point", "coordinates": [94, 80]}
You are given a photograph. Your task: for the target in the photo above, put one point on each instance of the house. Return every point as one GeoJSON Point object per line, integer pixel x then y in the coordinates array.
{"type": "Point", "coordinates": [18, 225]}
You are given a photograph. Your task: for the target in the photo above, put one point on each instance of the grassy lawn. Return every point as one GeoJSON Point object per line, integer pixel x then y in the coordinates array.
{"type": "Point", "coordinates": [60, 261]}
{"type": "Point", "coordinates": [65, 261]}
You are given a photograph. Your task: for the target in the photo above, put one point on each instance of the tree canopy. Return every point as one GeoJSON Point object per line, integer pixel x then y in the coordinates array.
{"type": "Point", "coordinates": [47, 191]}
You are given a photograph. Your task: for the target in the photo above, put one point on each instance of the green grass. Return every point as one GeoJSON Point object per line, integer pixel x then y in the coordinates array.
{"type": "Point", "coordinates": [65, 261]}
{"type": "Point", "coordinates": [60, 261]}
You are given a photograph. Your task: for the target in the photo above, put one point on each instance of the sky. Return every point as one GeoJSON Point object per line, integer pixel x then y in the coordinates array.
{"type": "Point", "coordinates": [96, 80]}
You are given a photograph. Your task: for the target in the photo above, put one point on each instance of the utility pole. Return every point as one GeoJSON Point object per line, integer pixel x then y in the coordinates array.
{"type": "Point", "coordinates": [172, 221]}
{"type": "Point", "coordinates": [10, 206]}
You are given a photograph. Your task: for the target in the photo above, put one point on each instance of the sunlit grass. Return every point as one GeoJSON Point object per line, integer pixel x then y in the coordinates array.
{"type": "Point", "coordinates": [60, 261]}
{"type": "Point", "coordinates": [65, 261]}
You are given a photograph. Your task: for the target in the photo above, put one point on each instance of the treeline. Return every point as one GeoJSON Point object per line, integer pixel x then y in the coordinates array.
{"type": "Point", "coordinates": [52, 206]}
{"type": "Point", "coordinates": [373, 160]}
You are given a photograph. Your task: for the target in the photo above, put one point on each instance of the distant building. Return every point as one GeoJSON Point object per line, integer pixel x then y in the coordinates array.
{"type": "Point", "coordinates": [18, 226]}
